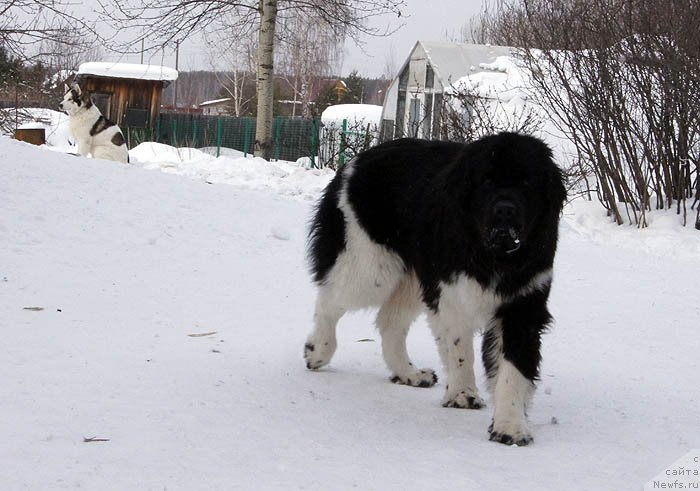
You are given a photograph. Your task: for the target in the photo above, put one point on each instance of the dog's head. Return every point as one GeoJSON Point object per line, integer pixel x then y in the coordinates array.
{"type": "Point", "coordinates": [74, 100]}
{"type": "Point", "coordinates": [518, 194]}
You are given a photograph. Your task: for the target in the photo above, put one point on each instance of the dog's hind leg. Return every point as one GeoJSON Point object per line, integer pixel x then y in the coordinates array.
{"type": "Point", "coordinates": [394, 319]}
{"type": "Point", "coordinates": [321, 343]}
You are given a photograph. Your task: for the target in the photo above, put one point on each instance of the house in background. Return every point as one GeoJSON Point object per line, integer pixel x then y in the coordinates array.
{"type": "Point", "coordinates": [128, 94]}
{"type": "Point", "coordinates": [414, 98]}
{"type": "Point", "coordinates": [217, 107]}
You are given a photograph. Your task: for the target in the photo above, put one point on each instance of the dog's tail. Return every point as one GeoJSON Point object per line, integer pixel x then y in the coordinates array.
{"type": "Point", "coordinates": [327, 231]}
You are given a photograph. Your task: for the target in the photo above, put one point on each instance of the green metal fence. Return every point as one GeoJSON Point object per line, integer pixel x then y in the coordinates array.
{"type": "Point", "coordinates": [292, 138]}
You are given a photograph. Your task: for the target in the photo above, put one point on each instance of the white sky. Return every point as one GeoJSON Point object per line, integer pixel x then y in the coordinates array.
{"type": "Point", "coordinates": [430, 20]}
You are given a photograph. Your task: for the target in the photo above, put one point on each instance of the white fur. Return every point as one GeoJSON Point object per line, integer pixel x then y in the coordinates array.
{"type": "Point", "coordinates": [365, 274]}
{"type": "Point", "coordinates": [512, 394]}
{"type": "Point", "coordinates": [393, 321]}
{"type": "Point", "coordinates": [465, 308]}
{"type": "Point", "coordinates": [99, 146]}
{"type": "Point", "coordinates": [540, 281]}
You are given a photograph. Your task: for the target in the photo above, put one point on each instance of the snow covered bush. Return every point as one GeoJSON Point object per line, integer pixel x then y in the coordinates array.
{"type": "Point", "coordinates": [488, 102]}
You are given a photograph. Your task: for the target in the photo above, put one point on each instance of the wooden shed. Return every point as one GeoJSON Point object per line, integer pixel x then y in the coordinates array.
{"type": "Point", "coordinates": [128, 94]}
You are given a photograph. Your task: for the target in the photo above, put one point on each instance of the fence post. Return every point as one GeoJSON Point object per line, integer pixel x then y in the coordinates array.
{"type": "Point", "coordinates": [278, 133]}
{"type": "Point", "coordinates": [160, 116]}
{"type": "Point", "coordinates": [194, 133]}
{"type": "Point", "coordinates": [219, 134]}
{"type": "Point", "coordinates": [314, 141]}
{"type": "Point", "coordinates": [173, 138]}
{"type": "Point", "coordinates": [343, 144]}
{"type": "Point", "coordinates": [246, 136]}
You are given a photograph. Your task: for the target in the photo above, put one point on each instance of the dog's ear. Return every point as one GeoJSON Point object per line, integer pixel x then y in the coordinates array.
{"type": "Point", "coordinates": [66, 88]}
{"type": "Point", "coordinates": [74, 86]}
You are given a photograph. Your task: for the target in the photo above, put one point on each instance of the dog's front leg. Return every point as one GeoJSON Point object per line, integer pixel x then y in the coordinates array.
{"type": "Point", "coordinates": [455, 340]}
{"type": "Point", "coordinates": [511, 355]}
{"type": "Point", "coordinates": [83, 147]}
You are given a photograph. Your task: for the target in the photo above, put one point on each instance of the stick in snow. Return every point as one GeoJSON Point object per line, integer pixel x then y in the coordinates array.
{"type": "Point", "coordinates": [94, 439]}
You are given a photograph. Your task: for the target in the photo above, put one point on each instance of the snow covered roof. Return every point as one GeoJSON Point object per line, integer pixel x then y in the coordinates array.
{"type": "Point", "coordinates": [128, 70]}
{"type": "Point", "coordinates": [503, 80]}
{"type": "Point", "coordinates": [214, 102]}
{"type": "Point", "coordinates": [367, 113]}
{"type": "Point", "coordinates": [452, 61]}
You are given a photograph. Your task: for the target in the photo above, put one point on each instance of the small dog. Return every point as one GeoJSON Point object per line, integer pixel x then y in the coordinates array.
{"type": "Point", "coordinates": [97, 136]}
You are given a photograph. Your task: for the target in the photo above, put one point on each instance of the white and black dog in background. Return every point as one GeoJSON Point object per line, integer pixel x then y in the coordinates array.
{"type": "Point", "coordinates": [466, 232]}
{"type": "Point", "coordinates": [97, 136]}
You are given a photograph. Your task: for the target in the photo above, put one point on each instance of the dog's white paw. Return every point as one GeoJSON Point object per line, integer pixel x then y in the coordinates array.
{"type": "Point", "coordinates": [465, 399]}
{"type": "Point", "coordinates": [424, 377]}
{"type": "Point", "coordinates": [510, 433]}
{"type": "Point", "coordinates": [318, 354]}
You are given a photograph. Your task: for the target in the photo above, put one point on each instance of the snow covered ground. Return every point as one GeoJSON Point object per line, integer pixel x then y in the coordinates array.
{"type": "Point", "coordinates": [166, 315]}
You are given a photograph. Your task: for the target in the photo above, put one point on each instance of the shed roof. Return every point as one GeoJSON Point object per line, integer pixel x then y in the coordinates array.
{"type": "Point", "coordinates": [128, 70]}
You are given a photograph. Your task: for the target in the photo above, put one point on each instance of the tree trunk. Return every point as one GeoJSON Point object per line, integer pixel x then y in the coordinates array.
{"type": "Point", "coordinates": [266, 55]}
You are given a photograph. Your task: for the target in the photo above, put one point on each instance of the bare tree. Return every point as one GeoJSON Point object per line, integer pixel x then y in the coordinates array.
{"type": "Point", "coordinates": [34, 34]}
{"type": "Point", "coordinates": [310, 51]}
{"type": "Point", "coordinates": [621, 78]}
{"type": "Point", "coordinates": [28, 27]}
{"type": "Point", "coordinates": [233, 59]}
{"type": "Point", "coordinates": [167, 21]}
{"type": "Point", "coordinates": [467, 115]}
{"type": "Point", "coordinates": [391, 64]}
{"type": "Point", "coordinates": [67, 51]}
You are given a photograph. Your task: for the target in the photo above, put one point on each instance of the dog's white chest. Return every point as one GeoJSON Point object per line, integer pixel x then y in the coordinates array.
{"type": "Point", "coordinates": [464, 298]}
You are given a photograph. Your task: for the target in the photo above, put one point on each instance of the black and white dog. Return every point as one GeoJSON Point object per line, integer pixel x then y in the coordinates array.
{"type": "Point", "coordinates": [467, 232]}
{"type": "Point", "coordinates": [97, 136]}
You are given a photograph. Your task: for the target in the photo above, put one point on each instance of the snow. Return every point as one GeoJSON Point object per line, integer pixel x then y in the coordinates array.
{"type": "Point", "coordinates": [55, 124]}
{"type": "Point", "coordinates": [214, 102]}
{"type": "Point", "coordinates": [507, 85]}
{"type": "Point", "coordinates": [34, 125]}
{"type": "Point", "coordinates": [354, 113]}
{"type": "Point", "coordinates": [128, 70]}
{"type": "Point", "coordinates": [231, 167]}
{"type": "Point", "coordinates": [501, 79]}
{"type": "Point", "coordinates": [167, 315]}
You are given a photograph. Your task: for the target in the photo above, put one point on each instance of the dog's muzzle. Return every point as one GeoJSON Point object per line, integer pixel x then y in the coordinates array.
{"type": "Point", "coordinates": [504, 240]}
{"type": "Point", "coordinates": [504, 233]}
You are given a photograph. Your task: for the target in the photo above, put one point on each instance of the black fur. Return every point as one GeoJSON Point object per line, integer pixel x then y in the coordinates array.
{"type": "Point", "coordinates": [327, 236]}
{"type": "Point", "coordinates": [82, 98]}
{"type": "Point", "coordinates": [87, 100]}
{"type": "Point", "coordinates": [522, 321]}
{"type": "Point", "coordinates": [75, 97]}
{"type": "Point", "coordinates": [428, 201]}
{"type": "Point", "coordinates": [118, 139]}
{"type": "Point", "coordinates": [102, 124]}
